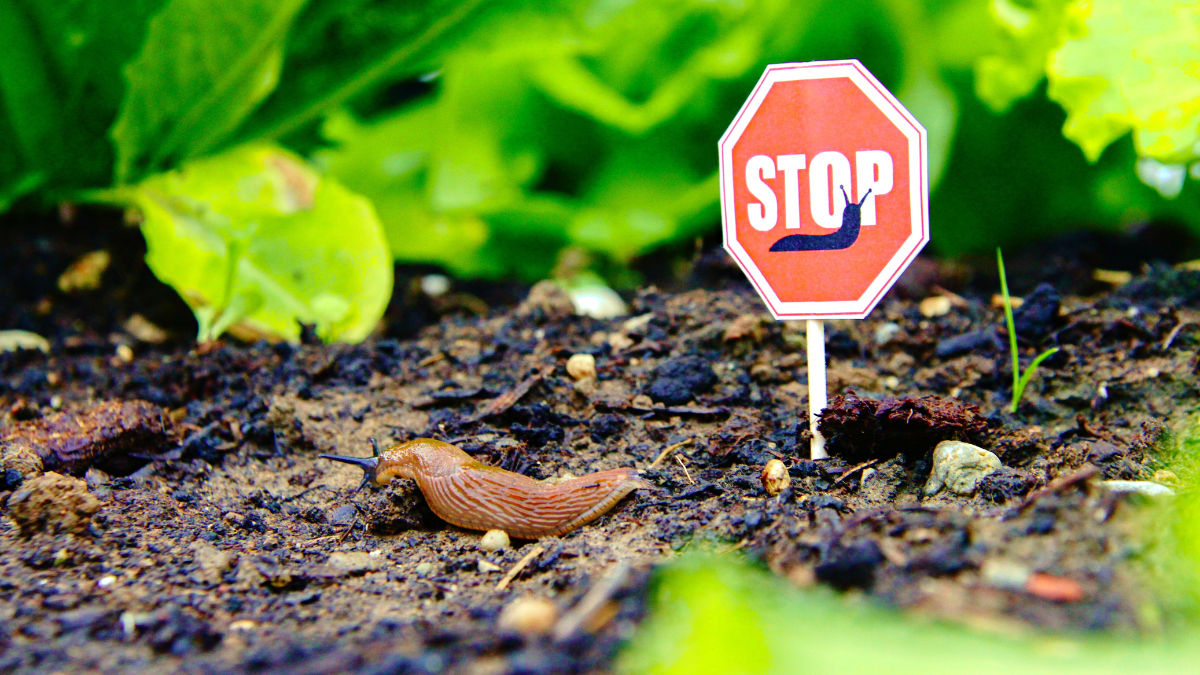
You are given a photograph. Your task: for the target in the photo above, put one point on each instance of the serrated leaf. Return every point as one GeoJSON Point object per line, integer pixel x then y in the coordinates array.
{"type": "Point", "coordinates": [254, 239]}
{"type": "Point", "coordinates": [1131, 65]}
{"type": "Point", "coordinates": [204, 68]}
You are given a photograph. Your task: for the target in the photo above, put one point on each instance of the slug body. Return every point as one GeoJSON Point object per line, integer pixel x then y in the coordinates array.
{"type": "Point", "coordinates": [841, 238]}
{"type": "Point", "coordinates": [470, 494]}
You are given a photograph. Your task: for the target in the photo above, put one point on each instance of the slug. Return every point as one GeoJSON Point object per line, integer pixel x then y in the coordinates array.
{"type": "Point", "coordinates": [841, 238]}
{"type": "Point", "coordinates": [473, 495]}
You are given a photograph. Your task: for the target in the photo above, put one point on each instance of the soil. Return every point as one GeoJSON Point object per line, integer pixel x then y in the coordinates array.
{"type": "Point", "coordinates": [204, 535]}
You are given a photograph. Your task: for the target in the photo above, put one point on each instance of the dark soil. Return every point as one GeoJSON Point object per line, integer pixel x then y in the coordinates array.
{"type": "Point", "coordinates": [221, 543]}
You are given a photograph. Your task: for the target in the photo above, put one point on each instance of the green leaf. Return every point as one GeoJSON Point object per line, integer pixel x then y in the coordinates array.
{"type": "Point", "coordinates": [27, 87]}
{"type": "Point", "coordinates": [254, 239]}
{"type": "Point", "coordinates": [341, 50]}
{"type": "Point", "coordinates": [715, 616]}
{"type": "Point", "coordinates": [204, 68]}
{"type": "Point", "coordinates": [1026, 33]}
{"type": "Point", "coordinates": [1128, 65]}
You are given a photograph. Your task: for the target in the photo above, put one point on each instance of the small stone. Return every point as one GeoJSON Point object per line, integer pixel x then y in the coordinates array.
{"type": "Point", "coordinates": [354, 562]}
{"type": "Point", "coordinates": [1145, 487]}
{"type": "Point", "coordinates": [486, 567]}
{"type": "Point", "coordinates": [84, 274]}
{"type": "Point", "coordinates": [775, 478]}
{"type": "Point", "coordinates": [1005, 574]}
{"type": "Point", "coordinates": [886, 332]}
{"type": "Point", "coordinates": [597, 301]}
{"type": "Point", "coordinates": [494, 540]}
{"type": "Point", "coordinates": [959, 466]}
{"type": "Point", "coordinates": [424, 569]}
{"type": "Point", "coordinates": [528, 616]}
{"type": "Point", "coordinates": [935, 305]}
{"type": "Point", "coordinates": [243, 624]}
{"type": "Point", "coordinates": [144, 330]}
{"type": "Point", "coordinates": [106, 581]}
{"type": "Point", "coordinates": [52, 503]}
{"type": "Point", "coordinates": [581, 367]}
{"type": "Point", "coordinates": [343, 515]}
{"type": "Point", "coordinates": [12, 340]}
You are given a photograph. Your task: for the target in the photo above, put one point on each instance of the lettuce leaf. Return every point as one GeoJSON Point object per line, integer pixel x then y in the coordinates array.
{"type": "Point", "coordinates": [256, 241]}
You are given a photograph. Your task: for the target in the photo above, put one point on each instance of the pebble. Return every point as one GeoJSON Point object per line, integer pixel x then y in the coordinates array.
{"type": "Point", "coordinates": [1145, 487]}
{"type": "Point", "coordinates": [494, 540]}
{"type": "Point", "coordinates": [886, 332]}
{"type": "Point", "coordinates": [343, 515]}
{"type": "Point", "coordinates": [528, 616]}
{"type": "Point", "coordinates": [354, 561]}
{"type": "Point", "coordinates": [935, 305]}
{"type": "Point", "coordinates": [1005, 574]}
{"type": "Point", "coordinates": [106, 581]}
{"type": "Point", "coordinates": [485, 567]}
{"type": "Point", "coordinates": [12, 340]}
{"type": "Point", "coordinates": [52, 503]}
{"type": "Point", "coordinates": [424, 569]}
{"type": "Point", "coordinates": [597, 301]}
{"type": "Point", "coordinates": [959, 467]}
{"type": "Point", "coordinates": [581, 367]}
{"type": "Point", "coordinates": [775, 478]}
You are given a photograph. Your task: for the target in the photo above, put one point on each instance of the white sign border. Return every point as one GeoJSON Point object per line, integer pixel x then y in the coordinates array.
{"type": "Point", "coordinates": [918, 191]}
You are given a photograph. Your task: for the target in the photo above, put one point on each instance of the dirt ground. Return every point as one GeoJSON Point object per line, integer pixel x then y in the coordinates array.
{"type": "Point", "coordinates": [204, 535]}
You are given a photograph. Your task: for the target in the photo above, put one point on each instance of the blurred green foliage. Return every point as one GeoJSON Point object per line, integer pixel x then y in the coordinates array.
{"type": "Point", "coordinates": [714, 616]}
{"type": "Point", "coordinates": [491, 134]}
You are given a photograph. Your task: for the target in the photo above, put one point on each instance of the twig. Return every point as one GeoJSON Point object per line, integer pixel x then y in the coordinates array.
{"type": "Point", "coordinates": [854, 469]}
{"type": "Point", "coordinates": [685, 471]}
{"type": "Point", "coordinates": [521, 564]}
{"type": "Point", "coordinates": [666, 451]}
{"type": "Point", "coordinates": [592, 601]}
{"type": "Point", "coordinates": [1173, 334]}
{"type": "Point", "coordinates": [506, 400]}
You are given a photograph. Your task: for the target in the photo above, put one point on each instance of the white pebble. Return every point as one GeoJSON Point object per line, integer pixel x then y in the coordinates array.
{"type": "Point", "coordinates": [959, 466]}
{"type": "Point", "coordinates": [106, 581]}
{"type": "Point", "coordinates": [935, 305]}
{"type": "Point", "coordinates": [494, 540]}
{"type": "Point", "coordinates": [582, 367]}
{"type": "Point", "coordinates": [528, 616]}
{"type": "Point", "coordinates": [1144, 487]}
{"type": "Point", "coordinates": [886, 331]}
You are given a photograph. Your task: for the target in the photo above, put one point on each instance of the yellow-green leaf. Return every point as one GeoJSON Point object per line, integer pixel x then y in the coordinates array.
{"type": "Point", "coordinates": [256, 241]}
{"type": "Point", "coordinates": [1131, 65]}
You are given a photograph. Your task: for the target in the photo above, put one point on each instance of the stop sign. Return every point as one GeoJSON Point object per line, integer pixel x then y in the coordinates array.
{"type": "Point", "coordinates": [824, 189]}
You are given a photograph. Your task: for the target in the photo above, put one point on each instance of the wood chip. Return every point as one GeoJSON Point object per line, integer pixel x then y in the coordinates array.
{"type": "Point", "coordinates": [506, 400]}
{"type": "Point", "coordinates": [521, 564]}
{"type": "Point", "coordinates": [592, 602]}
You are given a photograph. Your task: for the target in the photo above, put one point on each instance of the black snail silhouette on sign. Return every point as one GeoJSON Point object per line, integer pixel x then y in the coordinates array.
{"type": "Point", "coordinates": [843, 237]}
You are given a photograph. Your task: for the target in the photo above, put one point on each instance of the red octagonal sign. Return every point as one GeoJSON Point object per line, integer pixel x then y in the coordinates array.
{"type": "Point", "coordinates": [824, 189]}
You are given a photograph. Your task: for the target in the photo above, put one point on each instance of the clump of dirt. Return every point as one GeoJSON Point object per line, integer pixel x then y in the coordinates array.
{"type": "Point", "coordinates": [117, 437]}
{"type": "Point", "coordinates": [52, 503]}
{"type": "Point", "coordinates": [860, 429]}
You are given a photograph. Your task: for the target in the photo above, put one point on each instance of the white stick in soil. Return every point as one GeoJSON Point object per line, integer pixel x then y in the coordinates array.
{"type": "Point", "coordinates": [818, 395]}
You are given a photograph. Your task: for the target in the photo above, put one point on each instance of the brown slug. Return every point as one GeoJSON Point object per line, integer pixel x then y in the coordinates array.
{"type": "Point", "coordinates": [468, 493]}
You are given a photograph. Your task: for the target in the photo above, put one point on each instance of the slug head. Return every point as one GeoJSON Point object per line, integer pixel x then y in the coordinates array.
{"type": "Point", "coordinates": [369, 465]}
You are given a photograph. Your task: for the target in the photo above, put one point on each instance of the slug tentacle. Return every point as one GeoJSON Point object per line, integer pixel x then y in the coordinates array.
{"type": "Point", "coordinates": [474, 495]}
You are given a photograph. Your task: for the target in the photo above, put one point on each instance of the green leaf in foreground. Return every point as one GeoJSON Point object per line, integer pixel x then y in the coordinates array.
{"type": "Point", "coordinates": [715, 617]}
{"type": "Point", "coordinates": [204, 68]}
{"type": "Point", "coordinates": [1131, 64]}
{"type": "Point", "coordinates": [255, 241]}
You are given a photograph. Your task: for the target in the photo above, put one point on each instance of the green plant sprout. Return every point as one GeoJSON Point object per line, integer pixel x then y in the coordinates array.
{"type": "Point", "coordinates": [1020, 380]}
